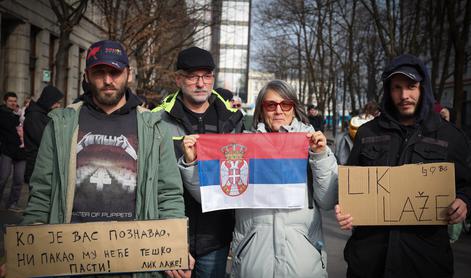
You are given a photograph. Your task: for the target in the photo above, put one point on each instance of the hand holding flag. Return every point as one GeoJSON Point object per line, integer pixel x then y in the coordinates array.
{"type": "Point", "coordinates": [189, 148]}
{"type": "Point", "coordinates": [317, 141]}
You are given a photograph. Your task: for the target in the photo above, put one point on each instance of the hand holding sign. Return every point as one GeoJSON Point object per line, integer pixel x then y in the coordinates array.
{"type": "Point", "coordinates": [345, 220]}
{"type": "Point", "coordinates": [182, 273]}
{"type": "Point", "coordinates": [457, 211]}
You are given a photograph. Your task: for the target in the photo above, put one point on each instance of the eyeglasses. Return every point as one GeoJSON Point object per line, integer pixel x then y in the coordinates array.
{"type": "Point", "coordinates": [193, 78]}
{"type": "Point", "coordinates": [270, 106]}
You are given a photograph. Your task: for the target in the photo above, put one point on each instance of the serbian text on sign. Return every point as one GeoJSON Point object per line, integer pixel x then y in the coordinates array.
{"type": "Point", "coordinates": [414, 194]}
{"type": "Point", "coordinates": [96, 247]}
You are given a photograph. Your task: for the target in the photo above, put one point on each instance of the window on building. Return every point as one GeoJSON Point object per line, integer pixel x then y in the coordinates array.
{"type": "Point", "coordinates": [233, 59]}
{"type": "Point", "coordinates": [234, 34]}
{"type": "Point", "coordinates": [234, 82]}
{"type": "Point", "coordinates": [235, 11]}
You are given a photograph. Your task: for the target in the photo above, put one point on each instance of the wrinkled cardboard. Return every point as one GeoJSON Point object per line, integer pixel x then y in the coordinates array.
{"type": "Point", "coordinates": [413, 194]}
{"type": "Point", "coordinates": [96, 247]}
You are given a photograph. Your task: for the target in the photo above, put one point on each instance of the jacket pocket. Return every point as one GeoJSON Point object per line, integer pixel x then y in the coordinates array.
{"type": "Point", "coordinates": [239, 265]}
{"type": "Point", "coordinates": [373, 154]}
{"type": "Point", "coordinates": [243, 245]}
{"type": "Point", "coordinates": [318, 246]}
{"type": "Point", "coordinates": [429, 153]}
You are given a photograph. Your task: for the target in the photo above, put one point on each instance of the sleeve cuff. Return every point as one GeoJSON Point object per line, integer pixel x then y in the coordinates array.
{"type": "Point", "coordinates": [181, 161]}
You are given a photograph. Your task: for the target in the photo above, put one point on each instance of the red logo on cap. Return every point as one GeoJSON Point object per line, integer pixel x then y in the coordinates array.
{"type": "Point", "coordinates": [93, 52]}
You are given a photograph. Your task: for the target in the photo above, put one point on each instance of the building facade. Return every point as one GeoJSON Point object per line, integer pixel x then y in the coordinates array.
{"type": "Point", "coordinates": [29, 43]}
{"type": "Point", "coordinates": [228, 38]}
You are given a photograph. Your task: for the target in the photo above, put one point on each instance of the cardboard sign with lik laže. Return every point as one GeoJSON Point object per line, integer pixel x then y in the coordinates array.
{"type": "Point", "coordinates": [96, 247]}
{"type": "Point", "coordinates": [413, 194]}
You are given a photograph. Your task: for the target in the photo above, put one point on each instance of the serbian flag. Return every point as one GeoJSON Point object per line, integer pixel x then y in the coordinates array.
{"type": "Point", "coordinates": [252, 170]}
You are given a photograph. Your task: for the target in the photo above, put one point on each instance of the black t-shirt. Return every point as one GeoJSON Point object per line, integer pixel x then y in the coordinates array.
{"type": "Point", "coordinates": [203, 122]}
{"type": "Point", "coordinates": [106, 166]}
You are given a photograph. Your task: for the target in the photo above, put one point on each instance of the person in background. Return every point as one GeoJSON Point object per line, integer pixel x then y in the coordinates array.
{"type": "Point", "coordinates": [315, 118]}
{"type": "Point", "coordinates": [22, 113]}
{"type": "Point", "coordinates": [36, 119]}
{"type": "Point", "coordinates": [12, 152]}
{"type": "Point", "coordinates": [408, 131]}
{"type": "Point", "coordinates": [344, 141]}
{"type": "Point", "coordinates": [279, 242]}
{"type": "Point", "coordinates": [195, 109]}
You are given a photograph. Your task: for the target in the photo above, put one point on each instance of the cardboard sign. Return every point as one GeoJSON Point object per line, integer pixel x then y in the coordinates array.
{"type": "Point", "coordinates": [414, 194]}
{"type": "Point", "coordinates": [97, 247]}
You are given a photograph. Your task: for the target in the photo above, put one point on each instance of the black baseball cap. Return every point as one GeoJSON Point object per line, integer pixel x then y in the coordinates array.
{"type": "Point", "coordinates": [107, 52]}
{"type": "Point", "coordinates": [408, 71]}
{"type": "Point", "coordinates": [195, 58]}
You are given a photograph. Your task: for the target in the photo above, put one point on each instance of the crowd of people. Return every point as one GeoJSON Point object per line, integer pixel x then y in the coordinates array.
{"type": "Point", "coordinates": [161, 160]}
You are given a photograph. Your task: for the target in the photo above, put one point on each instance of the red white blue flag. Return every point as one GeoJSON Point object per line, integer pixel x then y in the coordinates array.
{"type": "Point", "coordinates": [252, 170]}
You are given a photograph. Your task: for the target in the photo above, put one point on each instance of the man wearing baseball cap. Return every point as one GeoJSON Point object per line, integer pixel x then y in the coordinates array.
{"type": "Point", "coordinates": [101, 158]}
{"type": "Point", "coordinates": [408, 131]}
{"type": "Point", "coordinates": [195, 108]}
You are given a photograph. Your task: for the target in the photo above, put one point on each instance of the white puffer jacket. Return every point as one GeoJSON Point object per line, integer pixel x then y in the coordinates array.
{"type": "Point", "coordinates": [281, 242]}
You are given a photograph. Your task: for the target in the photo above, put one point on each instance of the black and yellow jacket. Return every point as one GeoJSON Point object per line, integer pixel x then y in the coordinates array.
{"type": "Point", "coordinates": [213, 230]}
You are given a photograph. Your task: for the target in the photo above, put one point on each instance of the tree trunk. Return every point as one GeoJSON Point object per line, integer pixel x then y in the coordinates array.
{"type": "Point", "coordinates": [459, 34]}
{"type": "Point", "coordinates": [458, 85]}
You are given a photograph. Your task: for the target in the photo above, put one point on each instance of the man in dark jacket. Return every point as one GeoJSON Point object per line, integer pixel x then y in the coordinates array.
{"type": "Point", "coordinates": [194, 109]}
{"type": "Point", "coordinates": [36, 119]}
{"type": "Point", "coordinates": [315, 118]}
{"type": "Point", "coordinates": [12, 152]}
{"type": "Point", "coordinates": [408, 131]}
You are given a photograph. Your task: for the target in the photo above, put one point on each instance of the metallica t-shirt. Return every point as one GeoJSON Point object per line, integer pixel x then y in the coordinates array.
{"type": "Point", "coordinates": [106, 166]}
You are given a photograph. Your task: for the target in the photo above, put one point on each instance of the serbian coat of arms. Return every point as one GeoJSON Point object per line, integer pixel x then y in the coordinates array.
{"type": "Point", "coordinates": [234, 170]}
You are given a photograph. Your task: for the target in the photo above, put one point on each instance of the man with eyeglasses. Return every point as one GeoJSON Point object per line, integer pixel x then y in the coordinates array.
{"type": "Point", "coordinates": [195, 109]}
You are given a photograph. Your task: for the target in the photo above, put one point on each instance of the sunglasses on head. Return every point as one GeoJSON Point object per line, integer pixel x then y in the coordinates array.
{"type": "Point", "coordinates": [270, 106]}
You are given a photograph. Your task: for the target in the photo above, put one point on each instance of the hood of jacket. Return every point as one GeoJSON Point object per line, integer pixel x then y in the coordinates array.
{"type": "Point", "coordinates": [35, 108]}
{"type": "Point", "coordinates": [427, 99]}
{"type": "Point", "coordinates": [49, 96]}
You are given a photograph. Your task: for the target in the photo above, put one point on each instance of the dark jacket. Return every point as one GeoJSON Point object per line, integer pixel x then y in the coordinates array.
{"type": "Point", "coordinates": [317, 122]}
{"type": "Point", "coordinates": [406, 251]}
{"type": "Point", "coordinates": [212, 230]}
{"type": "Point", "coordinates": [9, 138]}
{"type": "Point", "coordinates": [36, 120]}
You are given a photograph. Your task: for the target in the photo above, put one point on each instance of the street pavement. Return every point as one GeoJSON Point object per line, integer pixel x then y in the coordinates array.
{"type": "Point", "coordinates": [336, 239]}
